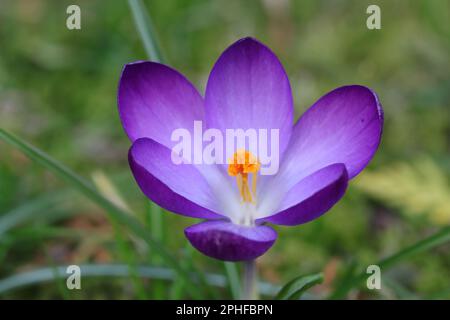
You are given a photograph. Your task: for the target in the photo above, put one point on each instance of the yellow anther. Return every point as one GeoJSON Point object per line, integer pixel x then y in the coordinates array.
{"type": "Point", "coordinates": [240, 166]}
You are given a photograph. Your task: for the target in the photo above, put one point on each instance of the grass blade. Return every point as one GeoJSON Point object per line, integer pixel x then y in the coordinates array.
{"type": "Point", "coordinates": [155, 223]}
{"type": "Point", "coordinates": [145, 28]}
{"type": "Point", "coordinates": [111, 270]}
{"type": "Point", "coordinates": [147, 33]}
{"type": "Point", "coordinates": [439, 238]}
{"type": "Point", "coordinates": [89, 191]}
{"type": "Point", "coordinates": [295, 288]}
{"type": "Point", "coordinates": [42, 205]}
{"type": "Point", "coordinates": [233, 279]}
{"type": "Point", "coordinates": [177, 289]}
{"type": "Point", "coordinates": [107, 188]}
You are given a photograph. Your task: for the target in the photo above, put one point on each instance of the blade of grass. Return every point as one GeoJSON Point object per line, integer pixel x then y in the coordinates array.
{"type": "Point", "coordinates": [400, 291]}
{"type": "Point", "coordinates": [439, 238]}
{"type": "Point", "coordinates": [89, 191]}
{"type": "Point", "coordinates": [146, 31]}
{"type": "Point", "coordinates": [341, 283]}
{"type": "Point", "coordinates": [155, 224]}
{"type": "Point", "coordinates": [144, 25]}
{"type": "Point", "coordinates": [32, 234]}
{"type": "Point", "coordinates": [112, 270]}
{"type": "Point", "coordinates": [148, 36]}
{"type": "Point", "coordinates": [107, 188]}
{"type": "Point", "coordinates": [57, 275]}
{"type": "Point", "coordinates": [190, 265]}
{"type": "Point", "coordinates": [295, 288]}
{"type": "Point", "coordinates": [232, 273]}
{"type": "Point", "coordinates": [42, 232]}
{"type": "Point", "coordinates": [125, 254]}
{"type": "Point", "coordinates": [440, 295]}
{"type": "Point", "coordinates": [177, 288]}
{"type": "Point", "coordinates": [41, 206]}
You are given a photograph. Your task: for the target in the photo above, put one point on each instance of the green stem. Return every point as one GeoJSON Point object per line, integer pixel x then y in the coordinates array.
{"type": "Point", "coordinates": [250, 287]}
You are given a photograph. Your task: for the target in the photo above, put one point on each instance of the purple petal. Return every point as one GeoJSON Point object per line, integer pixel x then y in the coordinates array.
{"type": "Point", "coordinates": [344, 126]}
{"type": "Point", "coordinates": [312, 196]}
{"type": "Point", "coordinates": [177, 188]}
{"type": "Point", "coordinates": [231, 242]}
{"type": "Point", "coordinates": [154, 100]}
{"type": "Point", "coordinates": [249, 89]}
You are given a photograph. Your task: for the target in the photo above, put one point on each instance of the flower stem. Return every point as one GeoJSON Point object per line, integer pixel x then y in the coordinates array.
{"type": "Point", "coordinates": [250, 287]}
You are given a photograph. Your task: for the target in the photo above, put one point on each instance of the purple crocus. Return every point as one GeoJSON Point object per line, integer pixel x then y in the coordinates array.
{"type": "Point", "coordinates": [247, 88]}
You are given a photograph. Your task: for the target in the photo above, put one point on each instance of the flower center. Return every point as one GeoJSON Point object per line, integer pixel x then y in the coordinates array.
{"type": "Point", "coordinates": [241, 165]}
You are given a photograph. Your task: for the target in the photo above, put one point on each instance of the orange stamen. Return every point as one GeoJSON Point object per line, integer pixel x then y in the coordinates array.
{"type": "Point", "coordinates": [240, 166]}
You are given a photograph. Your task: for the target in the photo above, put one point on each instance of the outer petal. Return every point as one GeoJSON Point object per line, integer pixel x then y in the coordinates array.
{"type": "Point", "coordinates": [312, 196]}
{"type": "Point", "coordinates": [249, 89]}
{"type": "Point", "coordinates": [344, 126]}
{"type": "Point", "coordinates": [154, 100]}
{"type": "Point", "coordinates": [177, 188]}
{"type": "Point", "coordinates": [231, 242]}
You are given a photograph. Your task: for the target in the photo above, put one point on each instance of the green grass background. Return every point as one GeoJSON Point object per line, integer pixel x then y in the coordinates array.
{"type": "Point", "coordinates": [58, 92]}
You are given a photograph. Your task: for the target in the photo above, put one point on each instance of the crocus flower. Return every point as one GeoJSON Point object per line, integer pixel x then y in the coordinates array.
{"type": "Point", "coordinates": [247, 88]}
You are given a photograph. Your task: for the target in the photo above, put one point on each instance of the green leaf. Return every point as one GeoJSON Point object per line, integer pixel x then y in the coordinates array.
{"type": "Point", "coordinates": [178, 287]}
{"type": "Point", "coordinates": [439, 238]}
{"type": "Point", "coordinates": [341, 283]}
{"type": "Point", "coordinates": [399, 290]}
{"type": "Point", "coordinates": [155, 224]}
{"type": "Point", "coordinates": [233, 279]}
{"type": "Point", "coordinates": [110, 270]}
{"type": "Point", "coordinates": [145, 28]}
{"type": "Point", "coordinates": [118, 214]}
{"type": "Point", "coordinates": [41, 206]}
{"type": "Point", "coordinates": [295, 288]}
{"type": "Point", "coordinates": [89, 270]}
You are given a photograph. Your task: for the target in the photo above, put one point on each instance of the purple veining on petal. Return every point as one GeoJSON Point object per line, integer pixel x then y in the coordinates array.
{"type": "Point", "coordinates": [231, 242]}
{"type": "Point", "coordinates": [344, 126]}
{"type": "Point", "coordinates": [311, 197]}
{"type": "Point", "coordinates": [177, 188]}
{"type": "Point", "coordinates": [155, 99]}
{"type": "Point", "coordinates": [249, 89]}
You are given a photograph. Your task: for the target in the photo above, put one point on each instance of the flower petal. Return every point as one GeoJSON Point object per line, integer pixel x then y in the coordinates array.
{"type": "Point", "coordinates": [344, 126]}
{"type": "Point", "coordinates": [154, 100]}
{"type": "Point", "coordinates": [311, 197]}
{"type": "Point", "coordinates": [231, 242]}
{"type": "Point", "coordinates": [249, 89]}
{"type": "Point", "coordinates": [177, 188]}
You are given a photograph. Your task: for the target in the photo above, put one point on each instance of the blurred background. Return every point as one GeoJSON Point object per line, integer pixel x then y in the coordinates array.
{"type": "Point", "coordinates": [58, 92]}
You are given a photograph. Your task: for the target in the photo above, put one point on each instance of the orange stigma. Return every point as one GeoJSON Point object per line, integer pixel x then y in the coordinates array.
{"type": "Point", "coordinates": [240, 166]}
